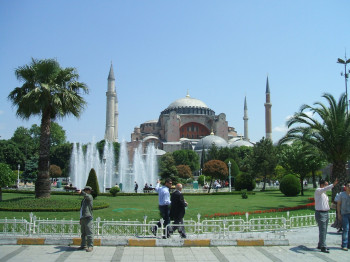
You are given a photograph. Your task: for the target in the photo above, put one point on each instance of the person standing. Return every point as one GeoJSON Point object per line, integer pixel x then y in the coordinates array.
{"type": "Point", "coordinates": [177, 210]}
{"type": "Point", "coordinates": [136, 187]}
{"type": "Point", "coordinates": [321, 212]}
{"type": "Point", "coordinates": [86, 220]}
{"type": "Point", "coordinates": [164, 203]}
{"type": "Point", "coordinates": [344, 215]}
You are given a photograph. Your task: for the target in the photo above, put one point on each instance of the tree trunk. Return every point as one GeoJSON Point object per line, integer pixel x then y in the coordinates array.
{"type": "Point", "coordinates": [211, 182]}
{"type": "Point", "coordinates": [338, 171]}
{"type": "Point", "coordinates": [42, 184]}
{"type": "Point", "coordinates": [302, 186]}
{"type": "Point", "coordinates": [264, 183]}
{"type": "Point", "coordinates": [0, 194]}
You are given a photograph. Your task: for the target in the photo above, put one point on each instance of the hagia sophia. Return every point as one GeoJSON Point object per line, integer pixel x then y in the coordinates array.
{"type": "Point", "coordinates": [187, 123]}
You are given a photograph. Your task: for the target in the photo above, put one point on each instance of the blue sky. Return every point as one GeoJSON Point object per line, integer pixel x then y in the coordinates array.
{"type": "Point", "coordinates": [218, 50]}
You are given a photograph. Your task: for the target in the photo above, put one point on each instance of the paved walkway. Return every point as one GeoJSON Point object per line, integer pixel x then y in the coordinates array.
{"type": "Point", "coordinates": [302, 248]}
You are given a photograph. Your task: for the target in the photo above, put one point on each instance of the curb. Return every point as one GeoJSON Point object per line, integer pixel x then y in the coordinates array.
{"type": "Point", "coordinates": [144, 242]}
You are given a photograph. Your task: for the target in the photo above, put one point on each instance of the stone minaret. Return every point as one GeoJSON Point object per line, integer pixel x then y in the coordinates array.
{"type": "Point", "coordinates": [268, 105]}
{"type": "Point", "coordinates": [245, 118]}
{"type": "Point", "coordinates": [111, 133]}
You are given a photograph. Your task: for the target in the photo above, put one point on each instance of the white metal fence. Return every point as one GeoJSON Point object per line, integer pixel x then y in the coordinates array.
{"type": "Point", "coordinates": [115, 229]}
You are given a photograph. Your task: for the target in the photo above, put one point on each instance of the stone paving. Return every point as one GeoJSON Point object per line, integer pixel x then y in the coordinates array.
{"type": "Point", "coordinates": [302, 243]}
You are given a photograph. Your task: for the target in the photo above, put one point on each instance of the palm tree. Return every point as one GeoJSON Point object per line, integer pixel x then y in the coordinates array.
{"type": "Point", "coordinates": [331, 135]}
{"type": "Point", "coordinates": [51, 92]}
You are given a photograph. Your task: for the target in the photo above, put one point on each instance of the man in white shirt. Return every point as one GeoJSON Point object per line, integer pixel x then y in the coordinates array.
{"type": "Point", "coordinates": [164, 203]}
{"type": "Point", "coordinates": [321, 212]}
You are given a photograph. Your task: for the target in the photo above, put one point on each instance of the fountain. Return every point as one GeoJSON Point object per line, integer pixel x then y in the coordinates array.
{"type": "Point", "coordinates": [143, 169]}
{"type": "Point", "coordinates": [81, 164]}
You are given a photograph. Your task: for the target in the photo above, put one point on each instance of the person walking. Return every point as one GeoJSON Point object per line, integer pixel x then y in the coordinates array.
{"type": "Point", "coordinates": [86, 220]}
{"type": "Point", "coordinates": [164, 203]}
{"type": "Point", "coordinates": [136, 187]}
{"type": "Point", "coordinates": [321, 212]}
{"type": "Point", "coordinates": [344, 216]}
{"type": "Point", "coordinates": [177, 210]}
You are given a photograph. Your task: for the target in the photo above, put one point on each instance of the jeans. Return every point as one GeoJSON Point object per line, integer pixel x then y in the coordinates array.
{"type": "Point", "coordinates": [86, 224]}
{"type": "Point", "coordinates": [164, 213]}
{"type": "Point", "coordinates": [346, 231]}
{"type": "Point", "coordinates": [322, 221]}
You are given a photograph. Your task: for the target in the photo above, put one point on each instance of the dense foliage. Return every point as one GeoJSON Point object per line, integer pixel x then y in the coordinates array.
{"type": "Point", "coordinates": [290, 185]}
{"type": "Point", "coordinates": [7, 177]}
{"type": "Point", "coordinates": [93, 183]}
{"type": "Point", "coordinates": [244, 181]}
{"type": "Point", "coordinates": [215, 169]}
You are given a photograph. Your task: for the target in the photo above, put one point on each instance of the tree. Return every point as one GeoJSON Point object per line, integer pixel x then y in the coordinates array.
{"type": "Point", "coordinates": [57, 135]}
{"type": "Point", "coordinates": [264, 160]}
{"type": "Point", "coordinates": [330, 135]}
{"type": "Point", "coordinates": [60, 156]}
{"type": "Point", "coordinates": [187, 157]}
{"type": "Point", "coordinates": [24, 141]}
{"type": "Point", "coordinates": [216, 169]}
{"type": "Point", "coordinates": [167, 167]}
{"type": "Point", "coordinates": [55, 171]}
{"type": "Point", "coordinates": [7, 177]}
{"type": "Point", "coordinates": [31, 169]}
{"type": "Point", "coordinates": [93, 183]}
{"type": "Point", "coordinates": [294, 158]}
{"type": "Point", "coordinates": [50, 92]}
{"type": "Point", "coordinates": [213, 152]}
{"type": "Point", "coordinates": [184, 171]}
{"type": "Point", "coordinates": [11, 154]}
{"type": "Point", "coordinates": [234, 169]}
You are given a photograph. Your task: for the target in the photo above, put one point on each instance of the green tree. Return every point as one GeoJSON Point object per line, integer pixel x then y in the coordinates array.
{"type": "Point", "coordinates": [60, 156]}
{"type": "Point", "coordinates": [294, 158]}
{"type": "Point", "coordinates": [187, 157]}
{"type": "Point", "coordinates": [167, 167]}
{"type": "Point", "coordinates": [216, 169]}
{"type": "Point", "coordinates": [213, 153]}
{"type": "Point", "coordinates": [57, 135]}
{"type": "Point", "coordinates": [24, 141]}
{"type": "Point", "coordinates": [50, 92]}
{"type": "Point", "coordinates": [264, 160]}
{"type": "Point", "coordinates": [244, 155]}
{"type": "Point", "coordinates": [7, 177]}
{"type": "Point", "coordinates": [327, 129]}
{"type": "Point", "coordinates": [11, 154]}
{"type": "Point", "coordinates": [31, 169]}
{"type": "Point", "coordinates": [93, 183]}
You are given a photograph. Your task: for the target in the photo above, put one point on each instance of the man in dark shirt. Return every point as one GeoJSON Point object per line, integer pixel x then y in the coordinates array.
{"type": "Point", "coordinates": [86, 222]}
{"type": "Point", "coordinates": [177, 210]}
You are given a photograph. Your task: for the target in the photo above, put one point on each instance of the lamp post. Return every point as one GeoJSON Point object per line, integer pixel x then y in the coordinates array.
{"type": "Point", "coordinates": [104, 175]}
{"type": "Point", "coordinates": [229, 174]}
{"type": "Point", "coordinates": [346, 76]}
{"type": "Point", "coordinates": [19, 166]}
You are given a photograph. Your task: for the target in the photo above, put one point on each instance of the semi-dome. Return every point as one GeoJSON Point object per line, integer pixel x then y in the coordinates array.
{"type": "Point", "coordinates": [240, 142]}
{"type": "Point", "coordinates": [208, 141]}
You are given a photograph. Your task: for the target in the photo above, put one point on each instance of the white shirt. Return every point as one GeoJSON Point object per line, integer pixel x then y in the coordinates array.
{"type": "Point", "coordinates": [321, 198]}
{"type": "Point", "coordinates": [163, 195]}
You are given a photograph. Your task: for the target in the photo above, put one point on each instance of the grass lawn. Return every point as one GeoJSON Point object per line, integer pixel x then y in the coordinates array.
{"type": "Point", "coordinates": [135, 207]}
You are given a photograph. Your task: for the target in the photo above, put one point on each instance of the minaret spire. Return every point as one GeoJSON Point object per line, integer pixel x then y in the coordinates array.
{"type": "Point", "coordinates": [111, 133]}
{"type": "Point", "coordinates": [245, 118]}
{"type": "Point", "coordinates": [268, 105]}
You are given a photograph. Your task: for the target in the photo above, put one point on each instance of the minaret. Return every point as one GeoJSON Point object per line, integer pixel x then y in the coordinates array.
{"type": "Point", "coordinates": [245, 118]}
{"type": "Point", "coordinates": [110, 108]}
{"type": "Point", "coordinates": [268, 105]}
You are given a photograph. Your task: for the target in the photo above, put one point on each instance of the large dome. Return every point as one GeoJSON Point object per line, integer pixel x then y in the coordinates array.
{"type": "Point", "coordinates": [207, 142]}
{"type": "Point", "coordinates": [187, 102]}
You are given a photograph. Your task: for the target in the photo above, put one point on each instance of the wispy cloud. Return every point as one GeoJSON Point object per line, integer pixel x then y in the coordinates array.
{"type": "Point", "coordinates": [282, 128]}
{"type": "Point", "coordinates": [2, 112]}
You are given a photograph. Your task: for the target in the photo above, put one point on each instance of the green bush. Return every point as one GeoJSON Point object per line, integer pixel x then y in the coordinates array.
{"type": "Point", "coordinates": [244, 194]}
{"type": "Point", "coordinates": [244, 181]}
{"type": "Point", "coordinates": [92, 181]}
{"type": "Point", "coordinates": [114, 190]}
{"type": "Point", "coordinates": [290, 185]}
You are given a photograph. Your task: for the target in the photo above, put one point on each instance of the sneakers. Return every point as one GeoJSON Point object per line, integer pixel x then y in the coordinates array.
{"type": "Point", "coordinates": [81, 248]}
{"type": "Point", "coordinates": [89, 249]}
{"type": "Point", "coordinates": [344, 248]}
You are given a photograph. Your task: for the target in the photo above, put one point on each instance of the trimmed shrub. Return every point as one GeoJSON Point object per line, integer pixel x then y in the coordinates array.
{"type": "Point", "coordinates": [114, 190]}
{"type": "Point", "coordinates": [244, 181]}
{"type": "Point", "coordinates": [290, 185]}
{"type": "Point", "coordinates": [92, 181]}
{"type": "Point", "coordinates": [244, 194]}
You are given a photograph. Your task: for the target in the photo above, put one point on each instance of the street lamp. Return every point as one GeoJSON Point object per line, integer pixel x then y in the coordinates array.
{"type": "Point", "coordinates": [346, 76]}
{"type": "Point", "coordinates": [104, 175]}
{"type": "Point", "coordinates": [19, 166]}
{"type": "Point", "coordinates": [229, 174]}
